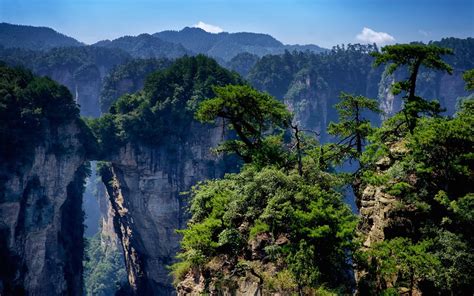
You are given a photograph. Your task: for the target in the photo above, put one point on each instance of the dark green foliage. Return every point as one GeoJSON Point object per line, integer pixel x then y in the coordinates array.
{"type": "Point", "coordinates": [29, 106]}
{"type": "Point", "coordinates": [353, 127]}
{"type": "Point", "coordinates": [128, 78]}
{"type": "Point", "coordinates": [104, 267]}
{"type": "Point", "coordinates": [243, 63]}
{"type": "Point", "coordinates": [311, 83]}
{"type": "Point", "coordinates": [463, 55]}
{"type": "Point", "coordinates": [413, 56]}
{"type": "Point", "coordinates": [77, 59]}
{"type": "Point", "coordinates": [165, 107]}
{"type": "Point", "coordinates": [431, 177]}
{"type": "Point", "coordinates": [341, 69]}
{"type": "Point", "coordinates": [469, 78]}
{"type": "Point", "coordinates": [251, 114]}
{"type": "Point", "coordinates": [312, 215]}
{"type": "Point", "coordinates": [67, 58]}
{"type": "Point", "coordinates": [399, 257]}
{"type": "Point", "coordinates": [80, 69]}
{"type": "Point", "coordinates": [146, 46]}
{"type": "Point", "coordinates": [302, 206]}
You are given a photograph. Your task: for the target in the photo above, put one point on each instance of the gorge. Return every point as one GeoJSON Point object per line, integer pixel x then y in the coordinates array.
{"type": "Point", "coordinates": [151, 148]}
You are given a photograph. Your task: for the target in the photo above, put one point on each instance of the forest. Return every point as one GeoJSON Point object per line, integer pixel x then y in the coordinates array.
{"type": "Point", "coordinates": [277, 171]}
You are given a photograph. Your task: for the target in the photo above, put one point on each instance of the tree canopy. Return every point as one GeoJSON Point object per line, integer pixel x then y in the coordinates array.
{"type": "Point", "coordinates": [353, 127]}
{"type": "Point", "coordinates": [413, 56]}
{"type": "Point", "coordinates": [296, 214]}
{"type": "Point", "coordinates": [30, 106]}
{"type": "Point", "coordinates": [251, 114]}
{"type": "Point", "coordinates": [165, 106]}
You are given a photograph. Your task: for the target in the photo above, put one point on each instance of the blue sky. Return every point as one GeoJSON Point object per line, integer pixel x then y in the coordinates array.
{"type": "Point", "coordinates": [322, 22]}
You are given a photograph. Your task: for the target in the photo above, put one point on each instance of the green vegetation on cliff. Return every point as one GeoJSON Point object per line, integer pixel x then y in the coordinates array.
{"type": "Point", "coordinates": [283, 223]}
{"type": "Point", "coordinates": [165, 107]}
{"type": "Point", "coordinates": [31, 106]}
{"type": "Point", "coordinates": [128, 78]}
{"type": "Point", "coordinates": [424, 163]}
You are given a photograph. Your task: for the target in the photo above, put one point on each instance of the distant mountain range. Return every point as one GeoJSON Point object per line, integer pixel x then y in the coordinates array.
{"type": "Point", "coordinates": [167, 44]}
{"type": "Point", "coordinates": [34, 38]}
{"type": "Point", "coordinates": [146, 46]}
{"type": "Point", "coordinates": [225, 46]}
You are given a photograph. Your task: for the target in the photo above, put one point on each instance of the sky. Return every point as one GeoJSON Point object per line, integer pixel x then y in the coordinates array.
{"type": "Point", "coordinates": [322, 22]}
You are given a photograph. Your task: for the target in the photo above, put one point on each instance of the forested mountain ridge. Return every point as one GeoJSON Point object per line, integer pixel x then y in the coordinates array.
{"type": "Point", "coordinates": [128, 78]}
{"type": "Point", "coordinates": [80, 68]}
{"type": "Point", "coordinates": [170, 44]}
{"type": "Point", "coordinates": [146, 46]}
{"type": "Point", "coordinates": [283, 76]}
{"type": "Point", "coordinates": [224, 46]}
{"type": "Point", "coordinates": [310, 84]}
{"type": "Point", "coordinates": [277, 222]}
{"type": "Point", "coordinates": [34, 38]}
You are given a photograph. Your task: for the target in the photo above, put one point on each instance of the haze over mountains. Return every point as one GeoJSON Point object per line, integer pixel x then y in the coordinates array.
{"type": "Point", "coordinates": [170, 44]}
{"type": "Point", "coordinates": [143, 92]}
{"type": "Point", "coordinates": [34, 38]}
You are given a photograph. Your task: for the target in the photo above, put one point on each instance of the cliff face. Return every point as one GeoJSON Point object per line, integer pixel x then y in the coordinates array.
{"type": "Point", "coordinates": [382, 215]}
{"type": "Point", "coordinates": [430, 85]}
{"type": "Point", "coordinates": [41, 219]}
{"type": "Point", "coordinates": [85, 83]}
{"type": "Point", "coordinates": [144, 186]}
{"type": "Point", "coordinates": [252, 282]}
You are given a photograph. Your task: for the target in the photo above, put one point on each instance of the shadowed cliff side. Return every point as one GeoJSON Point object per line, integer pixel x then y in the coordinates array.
{"type": "Point", "coordinates": [156, 150]}
{"type": "Point", "coordinates": [42, 171]}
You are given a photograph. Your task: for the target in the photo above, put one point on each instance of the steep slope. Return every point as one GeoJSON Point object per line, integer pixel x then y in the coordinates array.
{"type": "Point", "coordinates": [43, 148]}
{"type": "Point", "coordinates": [146, 46]}
{"type": "Point", "coordinates": [415, 197]}
{"type": "Point", "coordinates": [242, 63]}
{"type": "Point", "coordinates": [80, 69]}
{"type": "Point", "coordinates": [34, 38]}
{"type": "Point", "coordinates": [128, 78]}
{"type": "Point", "coordinates": [156, 150]}
{"type": "Point", "coordinates": [310, 84]}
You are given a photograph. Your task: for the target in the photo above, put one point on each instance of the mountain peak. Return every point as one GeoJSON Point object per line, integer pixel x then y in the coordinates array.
{"type": "Point", "coordinates": [34, 38]}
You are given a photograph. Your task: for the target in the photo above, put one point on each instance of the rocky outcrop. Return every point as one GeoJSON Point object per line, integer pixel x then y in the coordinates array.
{"type": "Point", "coordinates": [250, 275]}
{"type": "Point", "coordinates": [197, 283]}
{"type": "Point", "coordinates": [144, 186]}
{"type": "Point", "coordinates": [383, 216]}
{"type": "Point", "coordinates": [41, 219]}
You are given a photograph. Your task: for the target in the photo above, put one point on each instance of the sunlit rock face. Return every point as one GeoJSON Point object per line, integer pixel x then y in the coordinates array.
{"type": "Point", "coordinates": [145, 187]}
{"type": "Point", "coordinates": [41, 219]}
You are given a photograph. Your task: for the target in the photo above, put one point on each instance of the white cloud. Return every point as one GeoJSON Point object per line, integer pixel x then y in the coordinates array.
{"type": "Point", "coordinates": [370, 36]}
{"type": "Point", "coordinates": [208, 28]}
{"type": "Point", "coordinates": [424, 33]}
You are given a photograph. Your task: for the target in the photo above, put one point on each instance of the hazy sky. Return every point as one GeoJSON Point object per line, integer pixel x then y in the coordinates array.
{"type": "Point", "coordinates": [322, 22]}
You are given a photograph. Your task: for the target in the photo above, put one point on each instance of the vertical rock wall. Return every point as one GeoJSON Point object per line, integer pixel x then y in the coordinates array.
{"type": "Point", "coordinates": [41, 220]}
{"type": "Point", "coordinates": [144, 186]}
